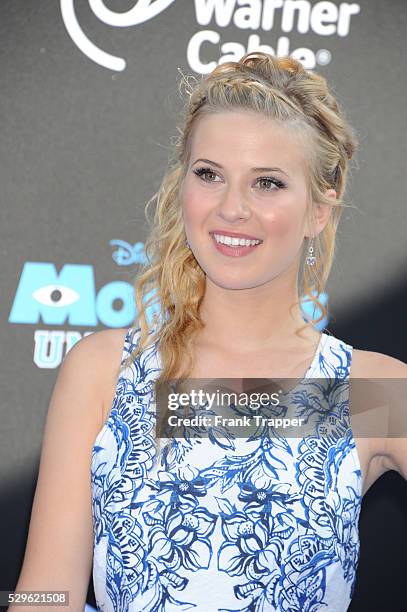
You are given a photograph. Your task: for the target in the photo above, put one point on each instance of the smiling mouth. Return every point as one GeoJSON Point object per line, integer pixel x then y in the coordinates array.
{"type": "Point", "coordinates": [232, 241]}
{"type": "Point", "coordinates": [244, 247]}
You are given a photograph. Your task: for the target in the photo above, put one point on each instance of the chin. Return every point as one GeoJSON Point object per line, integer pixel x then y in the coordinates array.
{"type": "Point", "coordinates": [233, 283]}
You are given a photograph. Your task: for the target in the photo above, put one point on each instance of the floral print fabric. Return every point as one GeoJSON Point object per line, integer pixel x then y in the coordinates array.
{"type": "Point", "coordinates": [224, 524]}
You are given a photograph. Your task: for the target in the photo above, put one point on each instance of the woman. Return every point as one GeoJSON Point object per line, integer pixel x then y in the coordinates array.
{"type": "Point", "coordinates": [218, 523]}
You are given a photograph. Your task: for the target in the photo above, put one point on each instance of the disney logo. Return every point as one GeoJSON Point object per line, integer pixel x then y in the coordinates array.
{"type": "Point", "coordinates": [127, 254]}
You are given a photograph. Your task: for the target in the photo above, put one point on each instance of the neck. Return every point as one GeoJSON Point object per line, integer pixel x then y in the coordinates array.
{"type": "Point", "coordinates": [252, 319]}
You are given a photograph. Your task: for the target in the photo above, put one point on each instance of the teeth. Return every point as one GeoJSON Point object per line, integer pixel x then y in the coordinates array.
{"type": "Point", "coordinates": [235, 241]}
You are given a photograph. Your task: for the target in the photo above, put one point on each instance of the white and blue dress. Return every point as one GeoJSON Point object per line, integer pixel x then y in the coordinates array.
{"type": "Point", "coordinates": [253, 525]}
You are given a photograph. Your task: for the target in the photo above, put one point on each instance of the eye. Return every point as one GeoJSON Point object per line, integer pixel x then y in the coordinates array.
{"type": "Point", "coordinates": [201, 172]}
{"type": "Point", "coordinates": [269, 180]}
{"type": "Point", "coordinates": [274, 181]}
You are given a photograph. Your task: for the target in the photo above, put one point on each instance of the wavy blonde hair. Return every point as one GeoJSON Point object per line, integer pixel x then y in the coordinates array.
{"type": "Point", "coordinates": [278, 88]}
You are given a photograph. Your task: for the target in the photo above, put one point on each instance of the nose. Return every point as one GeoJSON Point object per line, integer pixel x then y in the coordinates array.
{"type": "Point", "coordinates": [233, 205]}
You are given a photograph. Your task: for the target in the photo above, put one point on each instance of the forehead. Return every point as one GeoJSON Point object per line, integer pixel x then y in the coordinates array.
{"type": "Point", "coordinates": [242, 138]}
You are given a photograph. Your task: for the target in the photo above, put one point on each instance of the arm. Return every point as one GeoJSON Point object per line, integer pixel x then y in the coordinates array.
{"type": "Point", "coordinates": [59, 550]}
{"type": "Point", "coordinates": [395, 448]}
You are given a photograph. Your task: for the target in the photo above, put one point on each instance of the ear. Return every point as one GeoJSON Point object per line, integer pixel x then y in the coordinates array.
{"type": "Point", "coordinates": [322, 213]}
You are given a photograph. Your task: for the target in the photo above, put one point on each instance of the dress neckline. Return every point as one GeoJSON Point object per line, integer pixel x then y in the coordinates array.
{"type": "Point", "coordinates": [312, 367]}
{"type": "Point", "coordinates": [315, 360]}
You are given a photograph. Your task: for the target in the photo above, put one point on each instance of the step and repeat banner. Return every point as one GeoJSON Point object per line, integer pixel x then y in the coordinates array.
{"type": "Point", "coordinates": [89, 103]}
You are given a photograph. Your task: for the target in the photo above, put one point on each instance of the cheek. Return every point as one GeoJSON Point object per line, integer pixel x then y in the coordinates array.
{"type": "Point", "coordinates": [284, 221]}
{"type": "Point", "coordinates": [279, 224]}
{"type": "Point", "coordinates": [195, 206]}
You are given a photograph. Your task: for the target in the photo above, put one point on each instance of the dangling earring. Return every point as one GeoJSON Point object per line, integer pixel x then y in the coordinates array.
{"type": "Point", "coordinates": [187, 243]}
{"type": "Point", "coordinates": [311, 259]}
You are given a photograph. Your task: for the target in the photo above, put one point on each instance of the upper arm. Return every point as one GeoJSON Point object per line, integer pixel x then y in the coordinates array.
{"type": "Point", "coordinates": [396, 443]}
{"type": "Point", "coordinates": [393, 379]}
{"type": "Point", "coordinates": [59, 550]}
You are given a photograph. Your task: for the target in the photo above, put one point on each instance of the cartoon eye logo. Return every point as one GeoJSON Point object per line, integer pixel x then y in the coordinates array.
{"type": "Point", "coordinates": [144, 10]}
{"type": "Point", "coordinates": [56, 296]}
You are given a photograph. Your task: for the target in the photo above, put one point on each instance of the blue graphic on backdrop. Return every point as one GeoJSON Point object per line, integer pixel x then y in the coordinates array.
{"type": "Point", "coordinates": [310, 310]}
{"type": "Point", "coordinates": [69, 298]}
{"type": "Point", "coordinates": [128, 254]}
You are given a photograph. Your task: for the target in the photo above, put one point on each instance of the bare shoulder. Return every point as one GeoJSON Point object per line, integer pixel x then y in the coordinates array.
{"type": "Point", "coordinates": [102, 342]}
{"type": "Point", "coordinates": [104, 349]}
{"type": "Point", "coordinates": [391, 452]}
{"type": "Point", "coordinates": [370, 364]}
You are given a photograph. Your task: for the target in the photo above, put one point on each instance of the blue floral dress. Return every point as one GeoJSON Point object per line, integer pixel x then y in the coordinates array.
{"type": "Point", "coordinates": [224, 524]}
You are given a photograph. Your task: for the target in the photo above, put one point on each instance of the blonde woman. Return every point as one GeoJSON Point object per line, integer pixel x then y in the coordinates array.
{"type": "Point", "coordinates": [244, 226]}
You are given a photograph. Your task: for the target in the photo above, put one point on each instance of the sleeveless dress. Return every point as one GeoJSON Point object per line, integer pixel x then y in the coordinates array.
{"type": "Point", "coordinates": [267, 524]}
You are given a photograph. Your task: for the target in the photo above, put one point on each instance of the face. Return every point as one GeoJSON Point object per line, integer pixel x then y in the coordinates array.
{"type": "Point", "coordinates": [252, 182]}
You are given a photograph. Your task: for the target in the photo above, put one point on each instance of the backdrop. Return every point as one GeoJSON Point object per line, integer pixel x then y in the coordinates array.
{"type": "Point", "coordinates": [89, 102]}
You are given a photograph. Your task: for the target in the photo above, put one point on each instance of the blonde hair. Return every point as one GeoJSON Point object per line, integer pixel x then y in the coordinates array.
{"type": "Point", "coordinates": [278, 88]}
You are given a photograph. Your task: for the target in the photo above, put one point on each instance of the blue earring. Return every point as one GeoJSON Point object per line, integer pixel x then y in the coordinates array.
{"type": "Point", "coordinates": [187, 243]}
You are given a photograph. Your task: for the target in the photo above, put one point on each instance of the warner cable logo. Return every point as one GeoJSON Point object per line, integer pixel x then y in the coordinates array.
{"type": "Point", "coordinates": [144, 10]}
{"type": "Point", "coordinates": [325, 18]}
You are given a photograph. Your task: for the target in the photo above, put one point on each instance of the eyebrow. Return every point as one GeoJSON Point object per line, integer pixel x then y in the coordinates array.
{"type": "Point", "coordinates": [208, 161]}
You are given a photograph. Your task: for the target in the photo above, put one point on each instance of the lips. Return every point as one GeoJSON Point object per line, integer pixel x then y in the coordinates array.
{"type": "Point", "coordinates": [235, 251]}
{"type": "Point", "coordinates": [234, 235]}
